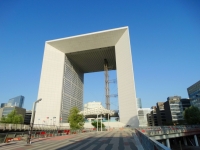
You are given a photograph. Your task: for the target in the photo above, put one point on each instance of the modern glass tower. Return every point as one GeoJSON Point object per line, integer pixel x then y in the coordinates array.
{"type": "Point", "coordinates": [66, 60]}
{"type": "Point", "coordinates": [16, 101]}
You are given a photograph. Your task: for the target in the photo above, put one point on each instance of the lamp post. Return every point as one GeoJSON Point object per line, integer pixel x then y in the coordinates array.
{"type": "Point", "coordinates": [108, 122]}
{"type": "Point", "coordinates": [97, 123]}
{"type": "Point", "coordinates": [101, 121]}
{"type": "Point", "coordinates": [32, 120]}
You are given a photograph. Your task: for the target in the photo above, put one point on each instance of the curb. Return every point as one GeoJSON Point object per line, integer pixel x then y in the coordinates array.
{"type": "Point", "coordinates": [5, 144]}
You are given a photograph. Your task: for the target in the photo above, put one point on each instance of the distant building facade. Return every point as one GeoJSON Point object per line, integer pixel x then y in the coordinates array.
{"type": "Point", "coordinates": [139, 103]}
{"type": "Point", "coordinates": [174, 108]}
{"type": "Point", "coordinates": [8, 109]}
{"type": "Point", "coordinates": [154, 117]}
{"type": "Point", "coordinates": [160, 111]}
{"type": "Point", "coordinates": [3, 105]}
{"type": "Point", "coordinates": [142, 116]}
{"type": "Point", "coordinates": [149, 119]}
{"type": "Point", "coordinates": [27, 118]}
{"type": "Point", "coordinates": [194, 94]}
{"type": "Point", "coordinates": [91, 105]}
{"type": "Point", "coordinates": [16, 101]}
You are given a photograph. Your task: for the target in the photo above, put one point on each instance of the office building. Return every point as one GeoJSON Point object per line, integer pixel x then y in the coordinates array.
{"type": "Point", "coordinates": [154, 117]}
{"type": "Point", "coordinates": [174, 109]}
{"type": "Point", "coordinates": [27, 118]}
{"type": "Point", "coordinates": [16, 101]}
{"type": "Point", "coordinates": [139, 103]}
{"type": "Point", "coordinates": [194, 94]}
{"type": "Point", "coordinates": [3, 105]}
{"type": "Point", "coordinates": [142, 116]}
{"type": "Point", "coordinates": [66, 60]}
{"type": "Point", "coordinates": [160, 111]}
{"type": "Point", "coordinates": [149, 119]}
{"type": "Point", "coordinates": [8, 109]}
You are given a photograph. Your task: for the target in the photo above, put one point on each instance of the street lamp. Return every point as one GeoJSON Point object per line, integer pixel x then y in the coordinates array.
{"type": "Point", "coordinates": [101, 121]}
{"type": "Point", "coordinates": [32, 119]}
{"type": "Point", "coordinates": [108, 122]}
{"type": "Point", "coordinates": [97, 123]}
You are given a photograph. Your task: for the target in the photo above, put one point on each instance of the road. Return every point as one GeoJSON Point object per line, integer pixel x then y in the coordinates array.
{"type": "Point", "coordinates": [108, 140]}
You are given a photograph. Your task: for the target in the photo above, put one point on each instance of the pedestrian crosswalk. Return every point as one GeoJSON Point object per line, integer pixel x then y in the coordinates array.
{"type": "Point", "coordinates": [122, 140]}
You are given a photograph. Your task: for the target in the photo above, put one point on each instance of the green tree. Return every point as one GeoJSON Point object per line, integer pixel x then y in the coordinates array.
{"type": "Point", "coordinates": [75, 119]}
{"type": "Point", "coordinates": [94, 124]}
{"type": "Point", "coordinates": [192, 115]}
{"type": "Point", "coordinates": [13, 117]}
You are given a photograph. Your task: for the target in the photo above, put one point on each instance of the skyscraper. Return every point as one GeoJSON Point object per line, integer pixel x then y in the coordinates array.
{"type": "Point", "coordinates": [139, 103]}
{"type": "Point", "coordinates": [3, 105]}
{"type": "Point", "coordinates": [65, 62]}
{"type": "Point", "coordinates": [16, 101]}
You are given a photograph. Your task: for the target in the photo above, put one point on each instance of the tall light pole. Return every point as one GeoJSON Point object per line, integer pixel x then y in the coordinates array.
{"type": "Point", "coordinates": [108, 122]}
{"type": "Point", "coordinates": [97, 123]}
{"type": "Point", "coordinates": [32, 119]}
{"type": "Point", "coordinates": [101, 121]}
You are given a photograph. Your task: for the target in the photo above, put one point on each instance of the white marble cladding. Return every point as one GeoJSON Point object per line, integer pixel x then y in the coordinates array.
{"type": "Point", "coordinates": [50, 87]}
{"type": "Point", "coordinates": [56, 100]}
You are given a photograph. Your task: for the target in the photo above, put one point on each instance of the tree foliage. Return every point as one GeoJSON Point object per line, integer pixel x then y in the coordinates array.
{"type": "Point", "coordinates": [192, 115]}
{"type": "Point", "coordinates": [13, 117]}
{"type": "Point", "coordinates": [94, 124]}
{"type": "Point", "coordinates": [75, 119]}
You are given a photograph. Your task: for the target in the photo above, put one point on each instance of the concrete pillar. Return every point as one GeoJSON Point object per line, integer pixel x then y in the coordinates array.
{"type": "Point", "coordinates": [196, 140]}
{"type": "Point", "coordinates": [185, 140]}
{"type": "Point", "coordinates": [163, 142]}
{"type": "Point", "coordinates": [168, 143]}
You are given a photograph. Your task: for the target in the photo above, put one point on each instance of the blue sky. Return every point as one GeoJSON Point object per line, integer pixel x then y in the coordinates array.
{"type": "Point", "coordinates": [165, 42]}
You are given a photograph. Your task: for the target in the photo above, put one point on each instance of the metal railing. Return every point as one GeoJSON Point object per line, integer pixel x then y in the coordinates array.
{"type": "Point", "coordinates": [23, 127]}
{"type": "Point", "coordinates": [23, 135]}
{"type": "Point", "coordinates": [160, 130]}
{"type": "Point", "coordinates": [149, 143]}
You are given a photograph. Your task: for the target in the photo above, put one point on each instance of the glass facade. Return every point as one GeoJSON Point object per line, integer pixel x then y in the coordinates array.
{"type": "Point", "coordinates": [139, 103]}
{"type": "Point", "coordinates": [194, 90]}
{"type": "Point", "coordinates": [72, 92]}
{"type": "Point", "coordinates": [194, 94]}
{"type": "Point", "coordinates": [3, 105]}
{"type": "Point", "coordinates": [7, 110]}
{"type": "Point", "coordinates": [16, 101]}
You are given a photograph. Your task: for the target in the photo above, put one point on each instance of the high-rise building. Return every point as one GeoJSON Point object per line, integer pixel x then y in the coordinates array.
{"type": "Point", "coordinates": [8, 109]}
{"type": "Point", "coordinates": [27, 118]}
{"type": "Point", "coordinates": [154, 117]}
{"type": "Point", "coordinates": [174, 108]}
{"type": "Point", "coordinates": [142, 116]}
{"type": "Point", "coordinates": [160, 110]}
{"type": "Point", "coordinates": [139, 103]}
{"type": "Point", "coordinates": [149, 119]}
{"type": "Point", "coordinates": [3, 105]}
{"type": "Point", "coordinates": [65, 62]}
{"type": "Point", "coordinates": [16, 101]}
{"type": "Point", "coordinates": [194, 94]}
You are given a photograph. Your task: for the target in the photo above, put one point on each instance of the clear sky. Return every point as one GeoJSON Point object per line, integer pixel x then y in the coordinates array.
{"type": "Point", "coordinates": [165, 42]}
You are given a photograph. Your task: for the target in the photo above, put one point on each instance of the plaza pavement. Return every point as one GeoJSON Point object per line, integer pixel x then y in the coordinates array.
{"type": "Point", "coordinates": [107, 140]}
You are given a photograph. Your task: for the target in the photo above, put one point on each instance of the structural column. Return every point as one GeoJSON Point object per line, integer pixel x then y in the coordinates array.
{"type": "Point", "coordinates": [167, 143]}
{"type": "Point", "coordinates": [185, 140]}
{"type": "Point", "coordinates": [196, 140]}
